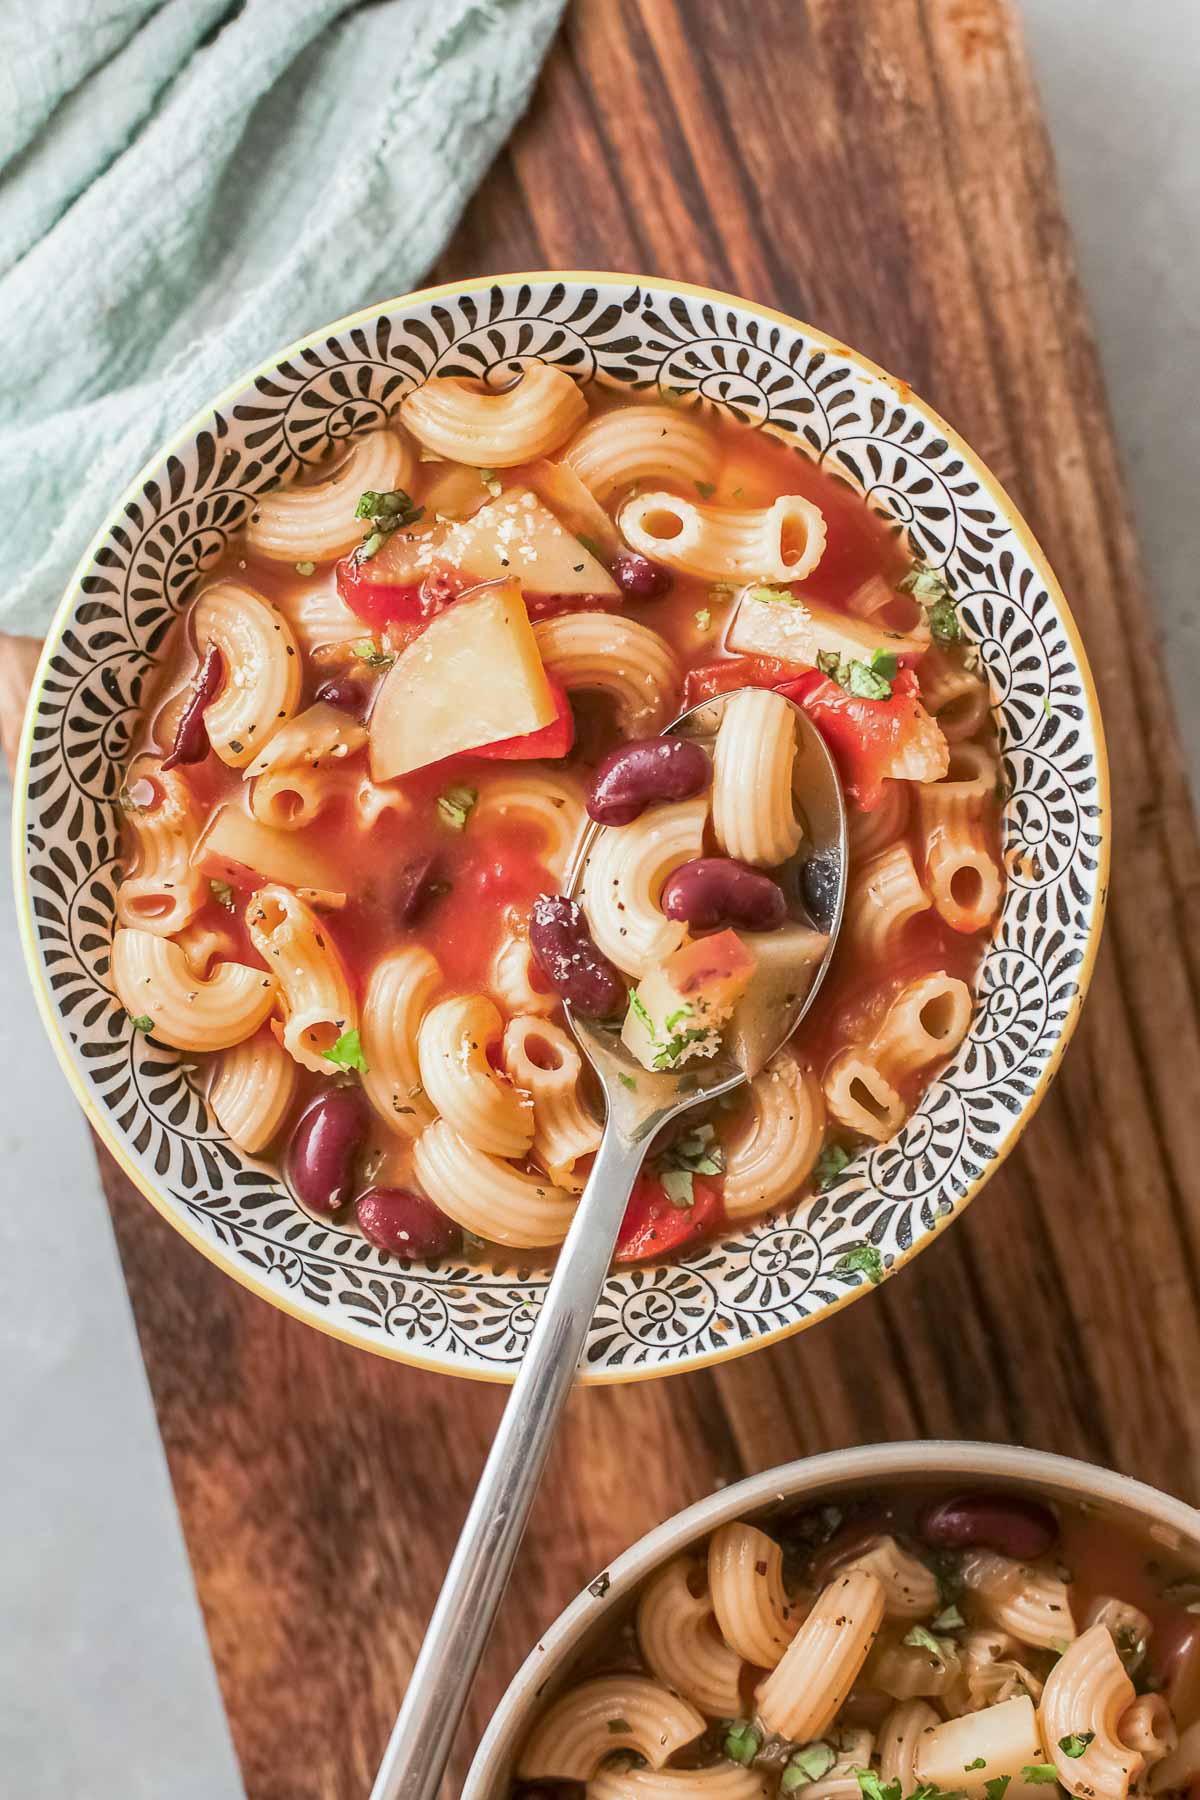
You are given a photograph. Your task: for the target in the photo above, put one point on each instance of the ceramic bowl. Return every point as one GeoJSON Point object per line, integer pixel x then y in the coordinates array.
{"type": "Point", "coordinates": [872, 1468]}
{"type": "Point", "coordinates": [771, 1276]}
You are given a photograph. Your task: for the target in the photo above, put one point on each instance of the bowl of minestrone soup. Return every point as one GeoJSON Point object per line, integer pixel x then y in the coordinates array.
{"type": "Point", "coordinates": [330, 703]}
{"type": "Point", "coordinates": [905, 1619]}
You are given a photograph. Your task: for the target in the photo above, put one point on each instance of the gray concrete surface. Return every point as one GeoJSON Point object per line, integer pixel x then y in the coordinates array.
{"type": "Point", "coordinates": [106, 1688]}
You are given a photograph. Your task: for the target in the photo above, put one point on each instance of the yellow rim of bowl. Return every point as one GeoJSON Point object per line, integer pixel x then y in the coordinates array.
{"type": "Point", "coordinates": [101, 1123]}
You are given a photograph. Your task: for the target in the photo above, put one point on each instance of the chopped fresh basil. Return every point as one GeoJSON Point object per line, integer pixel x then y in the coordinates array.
{"type": "Point", "coordinates": [670, 1052]}
{"type": "Point", "coordinates": [222, 893]}
{"type": "Point", "coordinates": [1039, 1774]}
{"type": "Point", "coordinates": [368, 651]}
{"type": "Point", "coordinates": [869, 681]}
{"type": "Point", "coordinates": [861, 1259]}
{"type": "Point", "coordinates": [872, 1786]}
{"type": "Point", "coordinates": [949, 1619]}
{"type": "Point", "coordinates": [996, 1788]}
{"type": "Point", "coordinates": [455, 805]}
{"type": "Point", "coordinates": [679, 1187]}
{"type": "Point", "coordinates": [883, 662]}
{"type": "Point", "coordinates": [706, 489]}
{"type": "Point", "coordinates": [772, 596]}
{"type": "Point", "coordinates": [384, 513]}
{"type": "Point", "coordinates": [919, 1637]}
{"type": "Point", "coordinates": [627, 1081]}
{"type": "Point", "coordinates": [807, 1764]}
{"type": "Point", "coordinates": [979, 1763]}
{"type": "Point", "coordinates": [1075, 1743]}
{"type": "Point", "coordinates": [828, 1166]}
{"type": "Point", "coordinates": [944, 624]}
{"type": "Point", "coordinates": [305, 568]}
{"type": "Point", "coordinates": [924, 584]}
{"type": "Point", "coordinates": [638, 1009]}
{"type": "Point", "coordinates": [141, 1021]}
{"type": "Point", "coordinates": [347, 1053]}
{"type": "Point", "coordinates": [742, 1742]}
{"type": "Point", "coordinates": [703, 618]}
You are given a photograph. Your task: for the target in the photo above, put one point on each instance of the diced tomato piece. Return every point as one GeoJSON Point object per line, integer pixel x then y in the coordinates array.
{"type": "Point", "coordinates": [554, 739]}
{"type": "Point", "coordinates": [729, 673]}
{"type": "Point", "coordinates": [379, 602]}
{"type": "Point", "coordinates": [869, 738]}
{"type": "Point", "coordinates": [654, 1226]}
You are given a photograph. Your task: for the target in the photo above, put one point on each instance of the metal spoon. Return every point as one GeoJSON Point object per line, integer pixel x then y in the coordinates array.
{"type": "Point", "coordinates": [423, 1734]}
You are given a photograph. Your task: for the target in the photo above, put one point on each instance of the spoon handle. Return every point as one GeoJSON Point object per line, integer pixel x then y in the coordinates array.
{"type": "Point", "coordinates": [433, 1706]}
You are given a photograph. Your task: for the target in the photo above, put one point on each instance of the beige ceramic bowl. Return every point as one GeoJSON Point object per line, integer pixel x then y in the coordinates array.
{"type": "Point", "coordinates": [570, 1639]}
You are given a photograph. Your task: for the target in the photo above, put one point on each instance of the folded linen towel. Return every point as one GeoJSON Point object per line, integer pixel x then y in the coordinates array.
{"type": "Point", "coordinates": [187, 186]}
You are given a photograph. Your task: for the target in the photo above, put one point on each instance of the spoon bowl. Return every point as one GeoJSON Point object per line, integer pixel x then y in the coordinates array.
{"type": "Point", "coordinates": [639, 1105]}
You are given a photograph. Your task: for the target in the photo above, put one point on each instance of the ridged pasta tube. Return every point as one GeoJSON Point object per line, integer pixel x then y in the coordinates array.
{"type": "Point", "coordinates": [318, 1000]}
{"type": "Point", "coordinates": [870, 832]}
{"type": "Point", "coordinates": [914, 1671]}
{"type": "Point", "coordinates": [262, 669]}
{"type": "Point", "coordinates": [624, 876]}
{"type": "Point", "coordinates": [511, 976]}
{"type": "Point", "coordinates": [488, 1196]}
{"type": "Point", "coordinates": [486, 1111]}
{"type": "Point", "coordinates": [754, 811]}
{"type": "Point", "coordinates": [860, 1097]}
{"type": "Point", "coordinates": [604, 653]}
{"type": "Point", "coordinates": [745, 1581]}
{"type": "Point", "coordinates": [910, 1589]}
{"type": "Point", "coordinates": [316, 521]}
{"type": "Point", "coordinates": [642, 443]}
{"type": "Point", "coordinates": [553, 804]}
{"type": "Point", "coordinates": [400, 989]}
{"type": "Point", "coordinates": [152, 981]}
{"type": "Point", "coordinates": [252, 1088]}
{"type": "Point", "coordinates": [926, 1022]}
{"type": "Point", "coordinates": [680, 1641]}
{"type": "Point", "coordinates": [961, 873]}
{"type": "Point", "coordinates": [496, 430]}
{"type": "Point", "coordinates": [805, 1692]}
{"type": "Point", "coordinates": [1030, 1602]}
{"type": "Point", "coordinates": [1088, 1690]}
{"type": "Point", "coordinates": [953, 695]}
{"type": "Point", "coordinates": [724, 1781]}
{"type": "Point", "coordinates": [780, 542]}
{"type": "Point", "coordinates": [542, 1060]}
{"type": "Point", "coordinates": [161, 892]}
{"type": "Point", "coordinates": [899, 1739]}
{"type": "Point", "coordinates": [992, 1671]}
{"type": "Point", "coordinates": [775, 1146]}
{"type": "Point", "coordinates": [885, 893]}
{"type": "Point", "coordinates": [613, 1712]}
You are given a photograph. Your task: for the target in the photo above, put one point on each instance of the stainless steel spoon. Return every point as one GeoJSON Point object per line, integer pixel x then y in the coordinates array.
{"type": "Point", "coordinates": [423, 1734]}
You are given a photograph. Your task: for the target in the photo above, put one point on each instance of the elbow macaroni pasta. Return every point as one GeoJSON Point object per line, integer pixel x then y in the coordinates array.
{"type": "Point", "coordinates": [614, 1712]}
{"type": "Point", "coordinates": [542, 1060]}
{"type": "Point", "coordinates": [318, 1001]}
{"type": "Point", "coordinates": [777, 1144]}
{"type": "Point", "coordinates": [496, 430]}
{"type": "Point", "coordinates": [552, 803]}
{"type": "Point", "coordinates": [745, 1581]}
{"type": "Point", "coordinates": [910, 1589]}
{"type": "Point", "coordinates": [899, 1740]}
{"type": "Point", "coordinates": [488, 1196]}
{"type": "Point", "coordinates": [262, 669]}
{"type": "Point", "coordinates": [1030, 1603]}
{"type": "Point", "coordinates": [802, 1696]}
{"type": "Point", "coordinates": [400, 990]}
{"type": "Point", "coordinates": [682, 1645]}
{"type": "Point", "coordinates": [960, 872]}
{"type": "Point", "coordinates": [870, 832]}
{"type": "Point", "coordinates": [956, 697]}
{"type": "Point", "coordinates": [152, 980]}
{"type": "Point", "coordinates": [624, 876]}
{"type": "Point", "coordinates": [162, 892]}
{"type": "Point", "coordinates": [1088, 1690]}
{"type": "Point", "coordinates": [754, 813]}
{"type": "Point", "coordinates": [884, 894]}
{"type": "Point", "coordinates": [641, 443]}
{"type": "Point", "coordinates": [781, 542]}
{"type": "Point", "coordinates": [316, 522]}
{"type": "Point", "coordinates": [605, 654]}
{"type": "Point", "coordinates": [252, 1087]}
{"type": "Point", "coordinates": [485, 1110]}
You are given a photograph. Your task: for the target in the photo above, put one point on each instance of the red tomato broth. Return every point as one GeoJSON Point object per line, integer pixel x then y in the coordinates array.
{"type": "Point", "coordinates": [493, 867]}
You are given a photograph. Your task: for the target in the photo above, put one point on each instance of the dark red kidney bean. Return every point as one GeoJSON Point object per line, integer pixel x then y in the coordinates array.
{"type": "Point", "coordinates": [640, 578]}
{"type": "Point", "coordinates": [402, 1221]}
{"type": "Point", "coordinates": [644, 772]}
{"type": "Point", "coordinates": [191, 734]}
{"type": "Point", "coordinates": [563, 948]}
{"type": "Point", "coordinates": [1008, 1523]}
{"type": "Point", "coordinates": [416, 885]}
{"type": "Point", "coordinates": [715, 890]}
{"type": "Point", "coordinates": [327, 1138]}
{"type": "Point", "coordinates": [344, 692]}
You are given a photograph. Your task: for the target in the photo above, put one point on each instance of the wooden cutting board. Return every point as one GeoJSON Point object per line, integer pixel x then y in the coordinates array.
{"type": "Point", "coordinates": [879, 168]}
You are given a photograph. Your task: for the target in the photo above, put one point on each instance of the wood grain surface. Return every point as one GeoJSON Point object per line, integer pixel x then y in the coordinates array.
{"type": "Point", "coordinates": [880, 168]}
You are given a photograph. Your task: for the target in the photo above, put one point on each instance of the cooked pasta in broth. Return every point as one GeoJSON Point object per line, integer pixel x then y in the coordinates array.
{"type": "Point", "coordinates": [976, 1646]}
{"type": "Point", "coordinates": [384, 722]}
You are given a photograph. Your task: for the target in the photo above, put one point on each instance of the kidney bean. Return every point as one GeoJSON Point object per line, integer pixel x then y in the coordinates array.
{"type": "Point", "coordinates": [344, 692]}
{"type": "Point", "coordinates": [640, 578]}
{"type": "Point", "coordinates": [191, 735]}
{"type": "Point", "coordinates": [715, 890]}
{"type": "Point", "coordinates": [327, 1138]}
{"type": "Point", "coordinates": [644, 772]}
{"type": "Point", "coordinates": [563, 949]}
{"type": "Point", "coordinates": [1008, 1523]}
{"type": "Point", "coordinates": [416, 885]}
{"type": "Point", "coordinates": [407, 1223]}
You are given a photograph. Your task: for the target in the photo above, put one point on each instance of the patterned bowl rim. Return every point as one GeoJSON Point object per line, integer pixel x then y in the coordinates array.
{"type": "Point", "coordinates": [113, 1139]}
{"type": "Point", "coordinates": [1169, 1520]}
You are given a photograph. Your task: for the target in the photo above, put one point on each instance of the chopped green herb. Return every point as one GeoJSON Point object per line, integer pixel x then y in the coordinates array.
{"type": "Point", "coordinates": [919, 1637]}
{"type": "Point", "coordinates": [347, 1053]}
{"type": "Point", "coordinates": [670, 1052]}
{"type": "Point", "coordinates": [828, 1166]}
{"type": "Point", "coordinates": [979, 1763]}
{"type": "Point", "coordinates": [862, 1259]}
{"type": "Point", "coordinates": [491, 481]}
{"type": "Point", "coordinates": [368, 651]}
{"type": "Point", "coordinates": [141, 1021]}
{"type": "Point", "coordinates": [883, 662]}
{"type": "Point", "coordinates": [679, 1187]}
{"type": "Point", "coordinates": [384, 513]}
{"type": "Point", "coordinates": [867, 680]}
{"type": "Point", "coordinates": [949, 1619]}
{"type": "Point", "coordinates": [772, 596]}
{"type": "Point", "coordinates": [305, 568]}
{"type": "Point", "coordinates": [872, 1786]}
{"type": "Point", "coordinates": [996, 1788]}
{"type": "Point", "coordinates": [1075, 1742]}
{"type": "Point", "coordinates": [627, 1081]}
{"type": "Point", "coordinates": [638, 1009]}
{"type": "Point", "coordinates": [706, 489]}
{"type": "Point", "coordinates": [222, 893]}
{"type": "Point", "coordinates": [1039, 1774]}
{"type": "Point", "coordinates": [945, 626]}
{"type": "Point", "coordinates": [697, 1153]}
{"type": "Point", "coordinates": [807, 1764]}
{"type": "Point", "coordinates": [677, 1017]}
{"type": "Point", "coordinates": [931, 590]}
{"type": "Point", "coordinates": [742, 1742]}
{"type": "Point", "coordinates": [455, 805]}
{"type": "Point", "coordinates": [703, 619]}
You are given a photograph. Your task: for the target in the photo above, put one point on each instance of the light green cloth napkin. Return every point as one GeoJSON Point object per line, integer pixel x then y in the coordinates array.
{"type": "Point", "coordinates": [185, 187]}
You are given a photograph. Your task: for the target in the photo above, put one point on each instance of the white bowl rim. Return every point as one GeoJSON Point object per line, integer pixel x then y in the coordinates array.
{"type": "Point", "coordinates": [807, 1477]}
